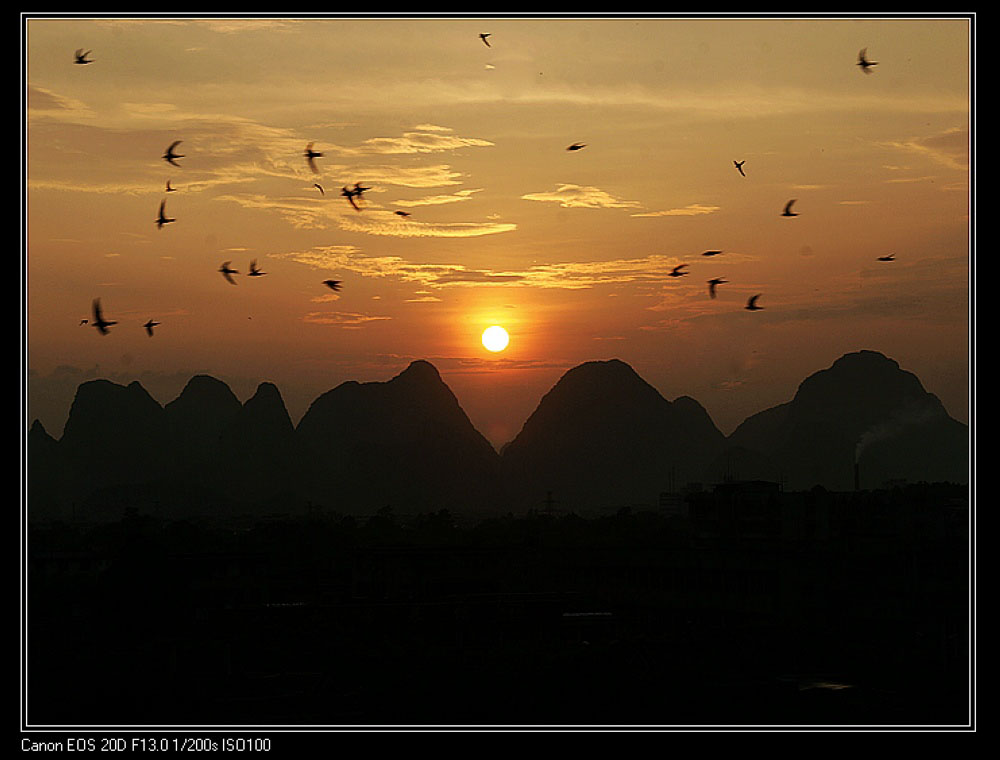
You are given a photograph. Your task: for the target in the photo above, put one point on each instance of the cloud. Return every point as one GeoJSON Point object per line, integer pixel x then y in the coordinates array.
{"type": "Point", "coordinates": [950, 148]}
{"type": "Point", "coordinates": [347, 320]}
{"type": "Point", "coordinates": [437, 200]}
{"type": "Point", "coordinates": [580, 196]}
{"type": "Point", "coordinates": [426, 138]}
{"type": "Point", "coordinates": [694, 209]}
{"type": "Point", "coordinates": [43, 102]}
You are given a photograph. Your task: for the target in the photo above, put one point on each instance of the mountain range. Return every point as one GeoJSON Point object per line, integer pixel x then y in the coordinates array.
{"type": "Point", "coordinates": [601, 438]}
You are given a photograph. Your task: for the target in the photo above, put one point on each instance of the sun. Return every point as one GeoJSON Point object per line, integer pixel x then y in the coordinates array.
{"type": "Point", "coordinates": [495, 338]}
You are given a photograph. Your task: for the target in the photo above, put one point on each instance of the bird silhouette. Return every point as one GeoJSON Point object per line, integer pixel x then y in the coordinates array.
{"type": "Point", "coordinates": [863, 61]}
{"type": "Point", "coordinates": [349, 194]}
{"type": "Point", "coordinates": [227, 272]}
{"type": "Point", "coordinates": [711, 253]}
{"type": "Point", "coordinates": [889, 257]}
{"type": "Point", "coordinates": [163, 218]}
{"type": "Point", "coordinates": [577, 146]}
{"type": "Point", "coordinates": [359, 188]}
{"type": "Point", "coordinates": [84, 321]}
{"type": "Point", "coordinates": [332, 284]}
{"type": "Point", "coordinates": [169, 155]}
{"type": "Point", "coordinates": [752, 303]}
{"type": "Point", "coordinates": [319, 187]}
{"type": "Point", "coordinates": [170, 189]}
{"type": "Point", "coordinates": [254, 269]}
{"type": "Point", "coordinates": [712, 285]}
{"type": "Point", "coordinates": [149, 327]}
{"type": "Point", "coordinates": [81, 57]}
{"type": "Point", "coordinates": [676, 271]}
{"type": "Point", "coordinates": [739, 166]}
{"type": "Point", "coordinates": [788, 209]}
{"type": "Point", "coordinates": [311, 156]}
{"type": "Point", "coordinates": [100, 322]}
{"type": "Point", "coordinates": [483, 37]}
{"type": "Point", "coordinates": [401, 213]}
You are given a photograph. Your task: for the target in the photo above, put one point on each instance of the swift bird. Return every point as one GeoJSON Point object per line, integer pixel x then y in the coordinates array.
{"type": "Point", "coordinates": [577, 146]}
{"type": "Point", "coordinates": [81, 57]}
{"type": "Point", "coordinates": [170, 189]}
{"type": "Point", "coordinates": [889, 257]}
{"type": "Point", "coordinates": [349, 194]}
{"type": "Point", "coordinates": [149, 327]}
{"type": "Point", "coordinates": [752, 303]}
{"type": "Point", "coordinates": [319, 187]}
{"type": "Point", "coordinates": [863, 61]}
{"type": "Point", "coordinates": [401, 213]}
{"type": "Point", "coordinates": [711, 253]}
{"type": "Point", "coordinates": [712, 285]}
{"type": "Point", "coordinates": [254, 269]}
{"type": "Point", "coordinates": [163, 218]}
{"type": "Point", "coordinates": [100, 322]}
{"type": "Point", "coordinates": [483, 37]}
{"type": "Point", "coordinates": [676, 271]}
{"type": "Point", "coordinates": [311, 156]}
{"type": "Point", "coordinates": [332, 284]}
{"type": "Point", "coordinates": [227, 272]}
{"type": "Point", "coordinates": [788, 209]}
{"type": "Point", "coordinates": [739, 166]}
{"type": "Point", "coordinates": [359, 188]}
{"type": "Point", "coordinates": [169, 155]}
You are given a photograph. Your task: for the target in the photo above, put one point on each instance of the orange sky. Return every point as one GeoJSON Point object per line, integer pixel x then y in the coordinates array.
{"type": "Point", "coordinates": [569, 250]}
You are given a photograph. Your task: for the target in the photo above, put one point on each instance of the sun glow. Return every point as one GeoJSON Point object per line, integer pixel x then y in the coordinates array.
{"type": "Point", "coordinates": [495, 338]}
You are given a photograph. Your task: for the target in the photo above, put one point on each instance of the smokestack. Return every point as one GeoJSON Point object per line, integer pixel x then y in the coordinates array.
{"type": "Point", "coordinates": [857, 478]}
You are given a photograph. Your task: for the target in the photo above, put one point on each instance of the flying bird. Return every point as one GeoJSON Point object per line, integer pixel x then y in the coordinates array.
{"type": "Point", "coordinates": [483, 37]}
{"type": "Point", "coordinates": [752, 303]}
{"type": "Point", "coordinates": [149, 327]}
{"type": "Point", "coordinates": [889, 257]}
{"type": "Point", "coordinates": [81, 57]}
{"type": "Point", "coordinates": [401, 213]}
{"type": "Point", "coordinates": [319, 187]}
{"type": "Point", "coordinates": [739, 166]}
{"type": "Point", "coordinates": [349, 194]}
{"type": "Point", "coordinates": [576, 146]}
{"type": "Point", "coordinates": [788, 209]}
{"type": "Point", "coordinates": [712, 285]}
{"type": "Point", "coordinates": [254, 269]}
{"type": "Point", "coordinates": [169, 155]}
{"type": "Point", "coordinates": [84, 321]}
{"type": "Point", "coordinates": [100, 322]}
{"type": "Point", "coordinates": [163, 218]}
{"type": "Point", "coordinates": [227, 272]}
{"type": "Point", "coordinates": [711, 253]}
{"type": "Point", "coordinates": [676, 271]}
{"type": "Point", "coordinates": [332, 284]}
{"type": "Point", "coordinates": [311, 156]}
{"type": "Point", "coordinates": [170, 189]}
{"type": "Point", "coordinates": [863, 61]}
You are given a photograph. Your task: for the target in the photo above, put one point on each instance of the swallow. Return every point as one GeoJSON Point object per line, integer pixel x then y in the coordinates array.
{"type": "Point", "coordinates": [81, 57]}
{"type": "Point", "coordinates": [226, 272]}
{"type": "Point", "coordinates": [254, 269]}
{"type": "Point", "coordinates": [889, 257]}
{"type": "Point", "coordinates": [332, 284]}
{"type": "Point", "coordinates": [576, 146]}
{"type": "Point", "coordinates": [311, 156]}
{"type": "Point", "coordinates": [676, 271]}
{"type": "Point", "coordinates": [788, 209]}
{"type": "Point", "coordinates": [319, 187]}
{"type": "Point", "coordinates": [863, 61]}
{"type": "Point", "coordinates": [712, 285]}
{"type": "Point", "coordinates": [169, 155]}
{"type": "Point", "coordinates": [100, 322]}
{"type": "Point", "coordinates": [483, 38]}
{"type": "Point", "coordinates": [349, 194]}
{"type": "Point", "coordinates": [163, 218]}
{"type": "Point", "coordinates": [170, 189]}
{"type": "Point", "coordinates": [401, 213]}
{"type": "Point", "coordinates": [752, 303]}
{"type": "Point", "coordinates": [149, 327]}
{"type": "Point", "coordinates": [711, 253]}
{"type": "Point", "coordinates": [739, 166]}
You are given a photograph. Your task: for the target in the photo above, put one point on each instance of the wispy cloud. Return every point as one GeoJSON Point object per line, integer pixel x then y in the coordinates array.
{"type": "Point", "coordinates": [347, 320]}
{"type": "Point", "coordinates": [949, 148]}
{"type": "Point", "coordinates": [693, 209]}
{"type": "Point", "coordinates": [581, 196]}
{"type": "Point", "coordinates": [437, 200]}
{"type": "Point", "coordinates": [432, 140]}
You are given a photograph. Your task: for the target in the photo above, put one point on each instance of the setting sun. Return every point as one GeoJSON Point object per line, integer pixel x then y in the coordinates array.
{"type": "Point", "coordinates": [495, 338]}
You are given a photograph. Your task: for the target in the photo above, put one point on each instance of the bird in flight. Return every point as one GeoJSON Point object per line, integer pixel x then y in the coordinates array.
{"type": "Point", "coordinates": [254, 269]}
{"type": "Point", "coordinates": [311, 156]}
{"type": "Point", "coordinates": [889, 257]}
{"type": "Point", "coordinates": [863, 61]}
{"type": "Point", "coordinates": [788, 209]}
{"type": "Point", "coordinates": [81, 57]}
{"type": "Point", "coordinates": [712, 285]}
{"type": "Point", "coordinates": [739, 166]}
{"type": "Point", "coordinates": [319, 187]}
{"type": "Point", "coordinates": [170, 189]}
{"type": "Point", "coordinates": [149, 327]}
{"type": "Point", "coordinates": [483, 37]}
{"type": "Point", "coordinates": [163, 218]}
{"type": "Point", "coordinates": [711, 253]}
{"type": "Point", "coordinates": [676, 271]}
{"type": "Point", "coordinates": [100, 322]}
{"type": "Point", "coordinates": [227, 272]}
{"type": "Point", "coordinates": [401, 213]}
{"type": "Point", "coordinates": [577, 146]}
{"type": "Point", "coordinates": [349, 194]}
{"type": "Point", "coordinates": [752, 303]}
{"type": "Point", "coordinates": [332, 284]}
{"type": "Point", "coordinates": [169, 154]}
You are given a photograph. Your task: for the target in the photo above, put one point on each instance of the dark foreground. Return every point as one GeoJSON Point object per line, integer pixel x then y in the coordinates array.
{"type": "Point", "coordinates": [854, 614]}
